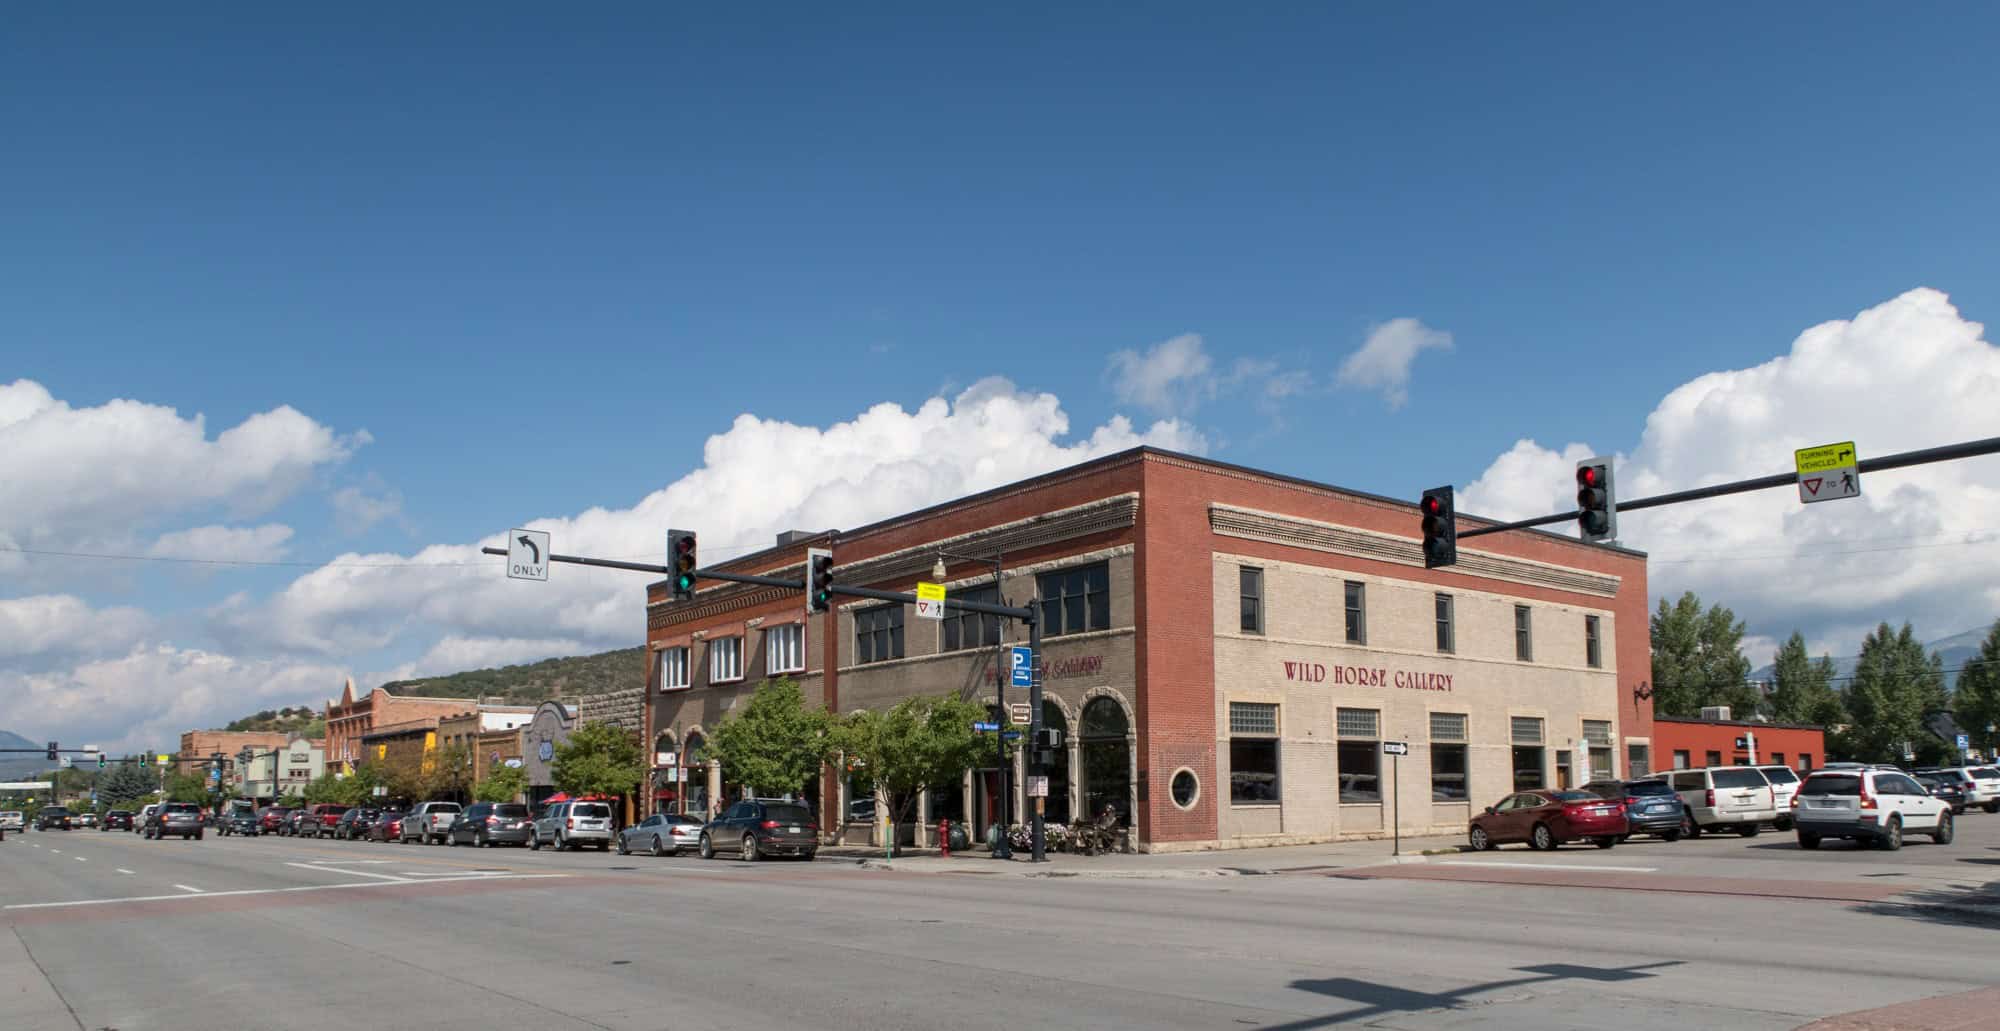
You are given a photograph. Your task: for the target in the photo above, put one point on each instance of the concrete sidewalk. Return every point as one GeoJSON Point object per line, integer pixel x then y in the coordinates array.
{"type": "Point", "coordinates": [1213, 863]}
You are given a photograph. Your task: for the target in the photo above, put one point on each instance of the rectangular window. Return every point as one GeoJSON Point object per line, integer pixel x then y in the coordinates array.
{"type": "Point", "coordinates": [1449, 762]}
{"type": "Point", "coordinates": [725, 659]}
{"type": "Point", "coordinates": [1524, 631]}
{"type": "Point", "coordinates": [1715, 758]}
{"type": "Point", "coordinates": [1777, 758]}
{"type": "Point", "coordinates": [1357, 612]}
{"type": "Point", "coordinates": [1593, 649]}
{"type": "Point", "coordinates": [878, 634]}
{"type": "Point", "coordinates": [1530, 760]}
{"type": "Point", "coordinates": [1358, 755]}
{"type": "Point", "coordinates": [674, 669]}
{"type": "Point", "coordinates": [1444, 623]}
{"type": "Point", "coordinates": [1638, 761]}
{"type": "Point", "coordinates": [1251, 581]}
{"type": "Point", "coordinates": [1597, 735]}
{"type": "Point", "coordinates": [1805, 762]}
{"type": "Point", "coordinates": [1527, 730]}
{"type": "Point", "coordinates": [785, 649]}
{"type": "Point", "coordinates": [1681, 759]}
{"type": "Point", "coordinates": [1075, 600]}
{"type": "Point", "coordinates": [972, 629]}
{"type": "Point", "coordinates": [1253, 753]}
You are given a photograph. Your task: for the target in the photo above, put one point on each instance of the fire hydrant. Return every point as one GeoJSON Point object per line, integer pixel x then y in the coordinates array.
{"type": "Point", "coordinates": [944, 837]}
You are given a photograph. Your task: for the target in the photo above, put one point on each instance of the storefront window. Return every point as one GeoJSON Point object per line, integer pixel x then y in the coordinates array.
{"type": "Point", "coordinates": [1253, 753]}
{"type": "Point", "coordinates": [1597, 735]}
{"type": "Point", "coordinates": [1448, 757]}
{"type": "Point", "coordinates": [1529, 757]}
{"type": "Point", "coordinates": [1106, 744]}
{"type": "Point", "coordinates": [1359, 756]}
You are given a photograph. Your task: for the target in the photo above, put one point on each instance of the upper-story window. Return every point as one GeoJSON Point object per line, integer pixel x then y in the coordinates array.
{"type": "Point", "coordinates": [1446, 639]}
{"type": "Point", "coordinates": [1076, 600]}
{"type": "Point", "coordinates": [1593, 646]}
{"type": "Point", "coordinates": [972, 629]}
{"type": "Point", "coordinates": [1251, 581]}
{"type": "Point", "coordinates": [1357, 612]}
{"type": "Point", "coordinates": [785, 648]}
{"type": "Point", "coordinates": [674, 669]}
{"type": "Point", "coordinates": [878, 633]}
{"type": "Point", "coordinates": [1524, 633]}
{"type": "Point", "coordinates": [725, 660]}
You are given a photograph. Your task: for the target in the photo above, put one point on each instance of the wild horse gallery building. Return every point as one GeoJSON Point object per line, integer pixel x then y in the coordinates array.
{"type": "Point", "coordinates": [1226, 650]}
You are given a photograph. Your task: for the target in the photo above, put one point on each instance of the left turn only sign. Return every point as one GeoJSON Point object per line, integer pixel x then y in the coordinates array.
{"type": "Point", "coordinates": [528, 554]}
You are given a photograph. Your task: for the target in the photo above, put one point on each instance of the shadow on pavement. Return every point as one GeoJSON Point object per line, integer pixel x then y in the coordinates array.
{"type": "Point", "coordinates": [1958, 907]}
{"type": "Point", "coordinates": [1377, 1000]}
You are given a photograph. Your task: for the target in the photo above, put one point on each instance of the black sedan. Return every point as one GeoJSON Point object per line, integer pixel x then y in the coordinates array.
{"type": "Point", "coordinates": [116, 819]}
{"type": "Point", "coordinates": [1945, 789]}
{"type": "Point", "coordinates": [355, 823]}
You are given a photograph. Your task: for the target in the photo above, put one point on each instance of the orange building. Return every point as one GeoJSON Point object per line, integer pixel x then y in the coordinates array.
{"type": "Point", "coordinates": [1689, 743]}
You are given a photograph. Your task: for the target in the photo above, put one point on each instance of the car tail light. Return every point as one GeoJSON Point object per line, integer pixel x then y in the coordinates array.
{"type": "Point", "coordinates": [1710, 803]}
{"type": "Point", "coordinates": [1795, 801]}
{"type": "Point", "coordinates": [569, 824]}
{"type": "Point", "coordinates": [1867, 800]}
{"type": "Point", "coordinates": [770, 825]}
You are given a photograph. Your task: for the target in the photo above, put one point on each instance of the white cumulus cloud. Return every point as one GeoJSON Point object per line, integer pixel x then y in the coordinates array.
{"type": "Point", "coordinates": [1919, 544]}
{"type": "Point", "coordinates": [225, 543]}
{"type": "Point", "coordinates": [63, 625]}
{"type": "Point", "coordinates": [1172, 376]}
{"type": "Point", "coordinates": [1384, 359]}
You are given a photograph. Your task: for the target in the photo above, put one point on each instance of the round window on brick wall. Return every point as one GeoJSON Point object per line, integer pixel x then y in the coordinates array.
{"type": "Point", "coordinates": [1186, 788]}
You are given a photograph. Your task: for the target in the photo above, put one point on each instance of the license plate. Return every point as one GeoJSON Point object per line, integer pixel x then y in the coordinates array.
{"type": "Point", "coordinates": [792, 830]}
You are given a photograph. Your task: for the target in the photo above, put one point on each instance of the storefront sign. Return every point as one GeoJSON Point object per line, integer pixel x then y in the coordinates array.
{"type": "Point", "coordinates": [1062, 669]}
{"type": "Point", "coordinates": [1367, 676]}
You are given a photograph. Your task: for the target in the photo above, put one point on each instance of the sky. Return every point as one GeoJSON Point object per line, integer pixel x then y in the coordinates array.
{"type": "Point", "coordinates": [298, 308]}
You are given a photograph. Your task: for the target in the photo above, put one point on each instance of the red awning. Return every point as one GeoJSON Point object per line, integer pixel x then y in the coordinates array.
{"type": "Point", "coordinates": [559, 796]}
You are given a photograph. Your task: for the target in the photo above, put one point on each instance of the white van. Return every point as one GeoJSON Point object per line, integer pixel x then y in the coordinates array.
{"type": "Point", "coordinates": [1784, 785]}
{"type": "Point", "coordinates": [1716, 798]}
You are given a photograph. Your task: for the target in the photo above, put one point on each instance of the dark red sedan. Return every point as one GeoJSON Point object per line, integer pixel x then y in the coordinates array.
{"type": "Point", "coordinates": [1545, 819]}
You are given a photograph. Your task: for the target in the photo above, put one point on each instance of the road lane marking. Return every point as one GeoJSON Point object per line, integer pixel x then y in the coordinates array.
{"type": "Point", "coordinates": [270, 891]}
{"type": "Point", "coordinates": [80, 859]}
{"type": "Point", "coordinates": [57, 851]}
{"type": "Point", "coordinates": [1552, 866]}
{"type": "Point", "coordinates": [323, 868]}
{"type": "Point", "coordinates": [123, 870]}
{"type": "Point", "coordinates": [184, 887]}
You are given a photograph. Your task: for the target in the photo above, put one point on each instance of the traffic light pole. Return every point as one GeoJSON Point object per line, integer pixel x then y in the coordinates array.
{"type": "Point", "coordinates": [1905, 459]}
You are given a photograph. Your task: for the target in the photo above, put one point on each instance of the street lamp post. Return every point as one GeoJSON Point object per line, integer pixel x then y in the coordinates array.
{"type": "Point", "coordinates": [1004, 849]}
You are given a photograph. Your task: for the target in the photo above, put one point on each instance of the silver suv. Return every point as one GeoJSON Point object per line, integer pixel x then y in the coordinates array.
{"type": "Point", "coordinates": [573, 825]}
{"type": "Point", "coordinates": [1877, 806]}
{"type": "Point", "coordinates": [429, 822]}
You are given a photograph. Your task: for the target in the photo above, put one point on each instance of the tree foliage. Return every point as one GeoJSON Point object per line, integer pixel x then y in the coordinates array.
{"type": "Point", "coordinates": [1976, 703]}
{"type": "Point", "coordinates": [502, 784]}
{"type": "Point", "coordinates": [776, 743]}
{"type": "Point", "coordinates": [447, 773]}
{"type": "Point", "coordinates": [598, 759]}
{"type": "Point", "coordinates": [1698, 660]}
{"type": "Point", "coordinates": [921, 742]}
{"type": "Point", "coordinates": [1803, 691]}
{"type": "Point", "coordinates": [122, 784]}
{"type": "Point", "coordinates": [1896, 684]}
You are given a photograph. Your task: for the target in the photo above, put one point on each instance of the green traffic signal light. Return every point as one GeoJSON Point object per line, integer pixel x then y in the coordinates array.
{"type": "Point", "coordinates": [681, 559]}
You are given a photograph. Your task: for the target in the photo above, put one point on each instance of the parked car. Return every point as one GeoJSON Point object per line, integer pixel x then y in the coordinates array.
{"type": "Point", "coordinates": [294, 820]}
{"type": "Point", "coordinates": [760, 827]}
{"type": "Point", "coordinates": [1979, 784]}
{"type": "Point", "coordinates": [1713, 798]}
{"type": "Point", "coordinates": [1548, 819]}
{"type": "Point", "coordinates": [1651, 807]}
{"type": "Point", "coordinates": [484, 824]}
{"type": "Point", "coordinates": [429, 821]}
{"type": "Point", "coordinates": [271, 819]}
{"type": "Point", "coordinates": [566, 825]}
{"type": "Point", "coordinates": [354, 823]}
{"type": "Point", "coordinates": [1784, 783]}
{"type": "Point", "coordinates": [1951, 791]}
{"type": "Point", "coordinates": [241, 822]}
{"type": "Point", "coordinates": [145, 813]}
{"type": "Point", "coordinates": [85, 820]}
{"type": "Point", "coordinates": [660, 834]}
{"type": "Point", "coordinates": [318, 820]}
{"type": "Point", "coordinates": [1877, 806]}
{"type": "Point", "coordinates": [175, 819]}
{"type": "Point", "coordinates": [13, 820]}
{"type": "Point", "coordinates": [116, 819]}
{"type": "Point", "coordinates": [53, 818]}
{"type": "Point", "coordinates": [388, 825]}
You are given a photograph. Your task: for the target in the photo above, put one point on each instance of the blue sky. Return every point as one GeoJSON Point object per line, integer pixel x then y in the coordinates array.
{"type": "Point", "coordinates": [541, 256]}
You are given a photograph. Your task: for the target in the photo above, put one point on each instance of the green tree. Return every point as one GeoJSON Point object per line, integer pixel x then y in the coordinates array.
{"type": "Point", "coordinates": [920, 742]}
{"type": "Point", "coordinates": [598, 759]}
{"type": "Point", "coordinates": [1896, 684]}
{"type": "Point", "coordinates": [1698, 660]}
{"type": "Point", "coordinates": [448, 774]}
{"type": "Point", "coordinates": [187, 787]}
{"type": "Point", "coordinates": [1976, 703]}
{"type": "Point", "coordinates": [1804, 687]}
{"type": "Point", "coordinates": [123, 784]}
{"type": "Point", "coordinates": [502, 784]}
{"type": "Point", "coordinates": [776, 744]}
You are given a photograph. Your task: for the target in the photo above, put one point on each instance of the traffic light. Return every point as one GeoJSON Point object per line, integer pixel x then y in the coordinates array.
{"type": "Point", "coordinates": [100, 760]}
{"type": "Point", "coordinates": [1440, 528]}
{"type": "Point", "coordinates": [53, 750]}
{"type": "Point", "coordinates": [681, 558]}
{"type": "Point", "coordinates": [819, 579]}
{"type": "Point", "coordinates": [1596, 504]}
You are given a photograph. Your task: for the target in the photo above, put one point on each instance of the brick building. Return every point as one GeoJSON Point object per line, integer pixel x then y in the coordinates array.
{"type": "Point", "coordinates": [492, 734]}
{"type": "Point", "coordinates": [198, 745]}
{"type": "Point", "coordinates": [1226, 649]}
{"type": "Point", "coordinates": [1688, 743]}
{"type": "Point", "coordinates": [349, 719]}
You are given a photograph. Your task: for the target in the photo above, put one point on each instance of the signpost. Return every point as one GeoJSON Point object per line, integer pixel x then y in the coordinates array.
{"type": "Point", "coordinates": [930, 601]}
{"type": "Point", "coordinates": [1828, 472]}
{"type": "Point", "coordinates": [1396, 750]}
{"type": "Point", "coordinates": [1019, 712]}
{"type": "Point", "coordinates": [528, 554]}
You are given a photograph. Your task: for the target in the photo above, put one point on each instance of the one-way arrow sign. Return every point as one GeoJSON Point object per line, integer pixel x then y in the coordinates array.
{"type": "Point", "coordinates": [528, 554]}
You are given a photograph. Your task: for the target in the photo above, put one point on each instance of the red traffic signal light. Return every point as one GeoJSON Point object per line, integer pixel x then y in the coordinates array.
{"type": "Point", "coordinates": [1440, 526]}
{"type": "Point", "coordinates": [1596, 505]}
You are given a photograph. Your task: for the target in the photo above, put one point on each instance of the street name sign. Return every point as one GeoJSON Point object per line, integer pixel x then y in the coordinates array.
{"type": "Point", "coordinates": [1828, 472]}
{"type": "Point", "coordinates": [1395, 748]}
{"type": "Point", "coordinates": [528, 554]}
{"type": "Point", "coordinates": [984, 728]}
{"type": "Point", "coordinates": [930, 601]}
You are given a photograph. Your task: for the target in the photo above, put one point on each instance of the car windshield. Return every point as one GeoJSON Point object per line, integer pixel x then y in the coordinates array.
{"type": "Point", "coordinates": [512, 810]}
{"type": "Point", "coordinates": [444, 807]}
{"type": "Point", "coordinates": [1648, 787]}
{"type": "Point", "coordinates": [1575, 796]}
{"type": "Point", "coordinates": [1740, 778]}
{"type": "Point", "coordinates": [1838, 784]}
{"type": "Point", "coordinates": [594, 810]}
{"type": "Point", "coordinates": [183, 807]}
{"type": "Point", "coordinates": [684, 821]}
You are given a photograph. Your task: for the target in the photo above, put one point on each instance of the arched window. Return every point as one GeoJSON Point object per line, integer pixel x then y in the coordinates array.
{"type": "Point", "coordinates": [1107, 759]}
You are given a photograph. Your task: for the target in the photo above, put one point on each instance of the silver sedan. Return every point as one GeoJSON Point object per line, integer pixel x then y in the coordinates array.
{"type": "Point", "coordinates": [660, 834]}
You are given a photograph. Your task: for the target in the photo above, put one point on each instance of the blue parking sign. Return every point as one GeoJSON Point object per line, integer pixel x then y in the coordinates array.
{"type": "Point", "coordinates": [1022, 659]}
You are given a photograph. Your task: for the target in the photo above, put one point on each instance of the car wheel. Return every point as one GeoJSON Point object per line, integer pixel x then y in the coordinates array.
{"type": "Point", "coordinates": [623, 849]}
{"type": "Point", "coordinates": [750, 848]}
{"type": "Point", "coordinates": [484, 840]}
{"type": "Point", "coordinates": [534, 842]}
{"type": "Point", "coordinates": [809, 854]}
{"type": "Point", "coordinates": [1542, 839]}
{"type": "Point", "coordinates": [1892, 835]}
{"type": "Point", "coordinates": [1945, 830]}
{"type": "Point", "coordinates": [1479, 841]}
{"type": "Point", "coordinates": [1748, 830]}
{"type": "Point", "coordinates": [1607, 841]}
{"type": "Point", "coordinates": [1671, 836]}
{"type": "Point", "coordinates": [604, 846]}
{"type": "Point", "coordinates": [197, 835]}
{"type": "Point", "coordinates": [1808, 840]}
{"type": "Point", "coordinates": [1993, 807]}
{"type": "Point", "coordinates": [1689, 828]}
{"type": "Point", "coordinates": [657, 850]}
{"type": "Point", "coordinates": [1782, 823]}
{"type": "Point", "coordinates": [707, 846]}
{"type": "Point", "coordinates": [562, 842]}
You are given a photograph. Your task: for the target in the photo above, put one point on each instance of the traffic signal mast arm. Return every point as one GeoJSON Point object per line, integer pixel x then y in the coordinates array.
{"type": "Point", "coordinates": [1946, 453]}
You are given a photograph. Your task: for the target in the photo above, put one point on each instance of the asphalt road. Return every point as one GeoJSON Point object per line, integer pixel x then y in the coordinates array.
{"type": "Point", "coordinates": [105, 930]}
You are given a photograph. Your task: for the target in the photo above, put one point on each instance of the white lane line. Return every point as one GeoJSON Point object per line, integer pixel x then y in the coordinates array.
{"type": "Point", "coordinates": [80, 859]}
{"type": "Point", "coordinates": [123, 870]}
{"type": "Point", "coordinates": [1552, 866]}
{"type": "Point", "coordinates": [57, 851]}
{"type": "Point", "coordinates": [321, 868]}
{"type": "Point", "coordinates": [184, 887]}
{"type": "Point", "coordinates": [266, 891]}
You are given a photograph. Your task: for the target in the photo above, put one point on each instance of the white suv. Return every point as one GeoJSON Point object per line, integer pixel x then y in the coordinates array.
{"type": "Point", "coordinates": [1784, 785]}
{"type": "Point", "coordinates": [1981, 784]}
{"type": "Point", "coordinates": [1715, 798]}
{"type": "Point", "coordinates": [1868, 805]}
